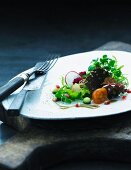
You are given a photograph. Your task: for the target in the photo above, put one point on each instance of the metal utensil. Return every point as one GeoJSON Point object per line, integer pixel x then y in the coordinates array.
{"type": "Point", "coordinates": [15, 107]}
{"type": "Point", "coordinates": [39, 69]}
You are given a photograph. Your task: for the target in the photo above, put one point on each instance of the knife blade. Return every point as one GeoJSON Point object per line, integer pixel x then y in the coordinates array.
{"type": "Point", "coordinates": [18, 101]}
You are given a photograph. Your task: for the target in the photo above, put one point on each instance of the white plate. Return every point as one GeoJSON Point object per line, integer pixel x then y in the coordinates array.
{"type": "Point", "coordinates": [39, 104]}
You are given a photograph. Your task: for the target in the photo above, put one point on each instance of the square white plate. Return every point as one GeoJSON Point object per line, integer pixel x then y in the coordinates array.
{"type": "Point", "coordinates": [39, 105]}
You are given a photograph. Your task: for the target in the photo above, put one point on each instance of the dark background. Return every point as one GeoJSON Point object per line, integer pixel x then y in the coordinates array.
{"type": "Point", "coordinates": [30, 30]}
{"type": "Point", "coordinates": [62, 26]}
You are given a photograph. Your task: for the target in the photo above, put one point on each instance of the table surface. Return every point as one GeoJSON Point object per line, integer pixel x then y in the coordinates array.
{"type": "Point", "coordinates": [51, 142]}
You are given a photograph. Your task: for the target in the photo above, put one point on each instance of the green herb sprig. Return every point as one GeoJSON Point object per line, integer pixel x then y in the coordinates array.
{"type": "Point", "coordinates": [111, 65]}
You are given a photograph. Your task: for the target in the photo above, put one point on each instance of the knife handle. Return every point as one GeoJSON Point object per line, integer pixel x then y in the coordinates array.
{"type": "Point", "coordinates": [15, 107]}
{"type": "Point", "coordinates": [11, 86]}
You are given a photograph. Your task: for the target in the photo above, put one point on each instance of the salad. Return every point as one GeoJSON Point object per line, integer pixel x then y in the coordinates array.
{"type": "Point", "coordinates": [102, 83]}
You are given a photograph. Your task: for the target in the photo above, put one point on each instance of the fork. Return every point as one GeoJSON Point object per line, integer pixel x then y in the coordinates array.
{"type": "Point", "coordinates": [39, 69]}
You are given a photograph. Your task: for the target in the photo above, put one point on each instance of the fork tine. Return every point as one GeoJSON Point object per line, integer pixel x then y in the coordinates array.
{"type": "Point", "coordinates": [40, 65]}
{"type": "Point", "coordinates": [46, 63]}
{"type": "Point", "coordinates": [50, 63]}
{"type": "Point", "coordinates": [44, 66]}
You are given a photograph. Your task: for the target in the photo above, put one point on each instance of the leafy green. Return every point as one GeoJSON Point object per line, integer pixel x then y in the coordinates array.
{"type": "Point", "coordinates": [60, 95]}
{"type": "Point", "coordinates": [111, 65]}
{"type": "Point", "coordinates": [66, 94]}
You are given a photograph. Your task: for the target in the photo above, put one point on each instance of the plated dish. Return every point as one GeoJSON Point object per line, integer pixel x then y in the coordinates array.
{"type": "Point", "coordinates": [102, 82]}
{"type": "Point", "coordinates": [84, 85]}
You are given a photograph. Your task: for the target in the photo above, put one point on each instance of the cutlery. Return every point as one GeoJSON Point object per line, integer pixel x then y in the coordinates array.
{"type": "Point", "coordinates": [39, 69]}
{"type": "Point", "coordinates": [18, 101]}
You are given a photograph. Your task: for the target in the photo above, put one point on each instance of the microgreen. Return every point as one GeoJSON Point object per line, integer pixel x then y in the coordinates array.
{"type": "Point", "coordinates": [111, 65]}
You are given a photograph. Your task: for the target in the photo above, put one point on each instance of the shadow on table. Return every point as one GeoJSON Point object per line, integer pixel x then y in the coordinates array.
{"type": "Point", "coordinates": [92, 165]}
{"type": "Point", "coordinates": [6, 132]}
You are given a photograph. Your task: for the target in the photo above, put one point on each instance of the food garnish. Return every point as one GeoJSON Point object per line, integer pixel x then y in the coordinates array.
{"type": "Point", "coordinates": [90, 106]}
{"type": "Point", "coordinates": [72, 77]}
{"type": "Point", "coordinates": [99, 95]}
{"type": "Point", "coordinates": [102, 83]}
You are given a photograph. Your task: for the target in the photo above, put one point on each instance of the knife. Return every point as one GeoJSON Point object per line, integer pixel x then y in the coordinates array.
{"type": "Point", "coordinates": [18, 81]}
{"type": "Point", "coordinates": [40, 68]}
{"type": "Point", "coordinates": [18, 101]}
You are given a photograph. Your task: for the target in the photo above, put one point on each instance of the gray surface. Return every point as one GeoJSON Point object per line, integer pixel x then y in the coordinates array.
{"type": "Point", "coordinates": [5, 132]}
{"type": "Point", "coordinates": [52, 142]}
